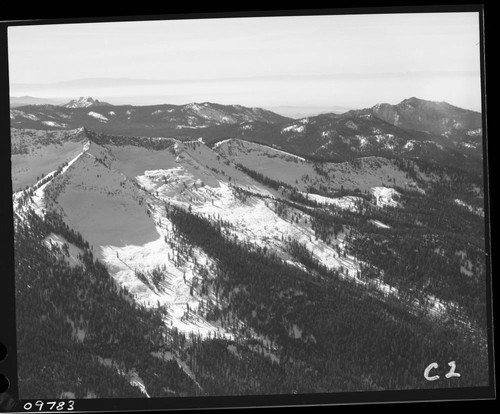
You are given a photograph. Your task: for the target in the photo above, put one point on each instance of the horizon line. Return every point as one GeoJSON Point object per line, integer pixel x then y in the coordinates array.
{"type": "Point", "coordinates": [276, 77]}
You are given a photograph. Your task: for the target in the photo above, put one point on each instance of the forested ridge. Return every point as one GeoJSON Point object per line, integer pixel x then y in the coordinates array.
{"type": "Point", "coordinates": [349, 339]}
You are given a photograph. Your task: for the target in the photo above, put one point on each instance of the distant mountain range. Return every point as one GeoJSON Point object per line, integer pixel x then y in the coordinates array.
{"type": "Point", "coordinates": [16, 101]}
{"type": "Point", "coordinates": [121, 118]}
{"type": "Point", "coordinates": [413, 128]}
{"type": "Point", "coordinates": [82, 102]}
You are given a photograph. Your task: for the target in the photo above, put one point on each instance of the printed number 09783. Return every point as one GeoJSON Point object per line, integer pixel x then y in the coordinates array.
{"type": "Point", "coordinates": [52, 405]}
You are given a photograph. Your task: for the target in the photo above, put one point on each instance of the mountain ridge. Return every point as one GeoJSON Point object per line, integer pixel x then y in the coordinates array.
{"type": "Point", "coordinates": [412, 128]}
{"type": "Point", "coordinates": [425, 115]}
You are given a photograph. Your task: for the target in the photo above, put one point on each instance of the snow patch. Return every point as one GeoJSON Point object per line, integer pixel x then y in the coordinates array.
{"type": "Point", "coordinates": [29, 116]}
{"type": "Point", "coordinates": [191, 126]}
{"type": "Point", "coordinates": [474, 132]}
{"type": "Point", "coordinates": [363, 141]}
{"type": "Point", "coordinates": [435, 144]}
{"type": "Point", "coordinates": [98, 116]}
{"type": "Point", "coordinates": [137, 381]}
{"type": "Point", "coordinates": [468, 145]}
{"type": "Point", "coordinates": [410, 145]}
{"type": "Point", "coordinates": [218, 144]}
{"type": "Point", "coordinates": [464, 270]}
{"type": "Point", "coordinates": [67, 395]}
{"type": "Point", "coordinates": [288, 154]}
{"type": "Point", "coordinates": [476, 210]}
{"type": "Point", "coordinates": [132, 376]}
{"type": "Point", "coordinates": [82, 102]}
{"type": "Point", "coordinates": [379, 224]}
{"type": "Point", "coordinates": [15, 113]}
{"type": "Point", "coordinates": [345, 203]}
{"type": "Point", "coordinates": [58, 244]}
{"type": "Point", "coordinates": [385, 197]}
{"type": "Point", "coordinates": [294, 128]}
{"type": "Point", "coordinates": [350, 124]}
{"type": "Point", "coordinates": [54, 124]}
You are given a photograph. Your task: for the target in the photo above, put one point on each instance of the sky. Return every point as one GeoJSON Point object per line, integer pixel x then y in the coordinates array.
{"type": "Point", "coordinates": [320, 61]}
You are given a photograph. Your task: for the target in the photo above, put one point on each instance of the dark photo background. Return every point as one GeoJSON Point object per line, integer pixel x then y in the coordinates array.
{"type": "Point", "coordinates": [6, 210]}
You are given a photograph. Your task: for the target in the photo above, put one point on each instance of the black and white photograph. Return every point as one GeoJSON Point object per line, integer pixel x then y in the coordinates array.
{"type": "Point", "coordinates": [286, 206]}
